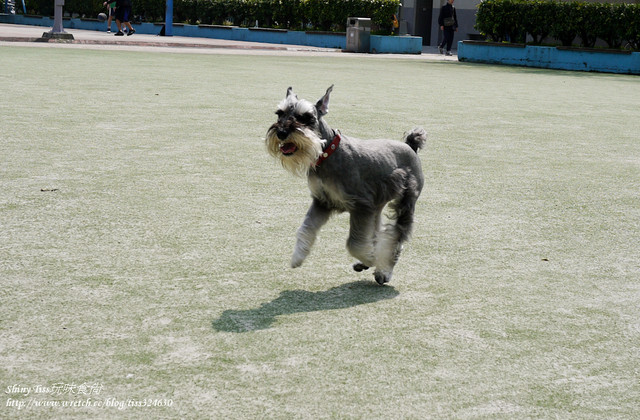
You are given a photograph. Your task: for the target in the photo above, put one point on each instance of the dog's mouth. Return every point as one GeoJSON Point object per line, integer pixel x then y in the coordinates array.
{"type": "Point", "coordinates": [288, 149]}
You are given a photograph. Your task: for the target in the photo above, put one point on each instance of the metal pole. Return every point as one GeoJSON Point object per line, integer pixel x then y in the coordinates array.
{"type": "Point", "coordinates": [57, 16]}
{"type": "Point", "coordinates": [168, 19]}
{"type": "Point", "coordinates": [58, 29]}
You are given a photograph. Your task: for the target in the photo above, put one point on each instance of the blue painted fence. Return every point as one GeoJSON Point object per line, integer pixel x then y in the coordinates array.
{"type": "Point", "coordinates": [562, 58]}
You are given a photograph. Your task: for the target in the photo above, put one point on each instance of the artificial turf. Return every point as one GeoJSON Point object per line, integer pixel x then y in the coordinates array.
{"type": "Point", "coordinates": [145, 236]}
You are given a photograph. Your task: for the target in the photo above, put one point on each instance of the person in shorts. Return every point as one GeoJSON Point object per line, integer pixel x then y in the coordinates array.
{"type": "Point", "coordinates": [123, 13]}
{"type": "Point", "coordinates": [111, 13]}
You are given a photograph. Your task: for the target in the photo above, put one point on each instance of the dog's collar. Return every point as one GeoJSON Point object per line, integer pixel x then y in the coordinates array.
{"type": "Point", "coordinates": [329, 150]}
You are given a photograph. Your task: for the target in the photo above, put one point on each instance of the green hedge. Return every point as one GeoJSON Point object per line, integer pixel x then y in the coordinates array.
{"type": "Point", "coordinates": [83, 8]}
{"type": "Point", "coordinates": [513, 20]}
{"type": "Point", "coordinates": [325, 15]}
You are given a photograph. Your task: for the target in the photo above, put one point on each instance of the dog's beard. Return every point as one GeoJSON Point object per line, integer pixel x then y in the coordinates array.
{"type": "Point", "coordinates": [299, 152]}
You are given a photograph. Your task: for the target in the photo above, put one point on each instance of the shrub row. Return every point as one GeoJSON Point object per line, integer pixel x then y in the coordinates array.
{"type": "Point", "coordinates": [287, 14]}
{"type": "Point", "coordinates": [514, 20]}
{"type": "Point", "coordinates": [325, 15]}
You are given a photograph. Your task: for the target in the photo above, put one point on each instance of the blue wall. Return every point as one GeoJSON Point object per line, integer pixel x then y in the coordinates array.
{"type": "Point", "coordinates": [379, 44]}
{"type": "Point", "coordinates": [396, 44]}
{"type": "Point", "coordinates": [561, 58]}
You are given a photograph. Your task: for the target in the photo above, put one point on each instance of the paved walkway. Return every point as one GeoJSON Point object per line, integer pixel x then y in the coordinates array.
{"type": "Point", "coordinates": [26, 35]}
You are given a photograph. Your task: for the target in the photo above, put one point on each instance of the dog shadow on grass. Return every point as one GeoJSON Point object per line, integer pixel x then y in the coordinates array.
{"type": "Point", "coordinates": [297, 301]}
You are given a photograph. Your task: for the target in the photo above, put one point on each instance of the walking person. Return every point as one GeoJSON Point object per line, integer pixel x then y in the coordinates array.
{"type": "Point", "coordinates": [123, 12]}
{"type": "Point", "coordinates": [448, 21]}
{"type": "Point", "coordinates": [112, 12]}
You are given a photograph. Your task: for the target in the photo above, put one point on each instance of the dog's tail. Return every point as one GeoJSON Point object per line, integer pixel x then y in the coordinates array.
{"type": "Point", "coordinates": [416, 139]}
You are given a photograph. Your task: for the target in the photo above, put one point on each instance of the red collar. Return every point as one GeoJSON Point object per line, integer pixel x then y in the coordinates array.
{"type": "Point", "coordinates": [329, 150]}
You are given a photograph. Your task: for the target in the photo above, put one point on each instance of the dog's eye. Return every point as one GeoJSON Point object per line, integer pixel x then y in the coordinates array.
{"type": "Point", "coordinates": [306, 118]}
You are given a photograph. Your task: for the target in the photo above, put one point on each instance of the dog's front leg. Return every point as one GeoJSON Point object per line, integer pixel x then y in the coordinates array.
{"type": "Point", "coordinates": [316, 217]}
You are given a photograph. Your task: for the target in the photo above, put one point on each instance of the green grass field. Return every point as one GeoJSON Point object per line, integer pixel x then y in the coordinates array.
{"type": "Point", "coordinates": [145, 237]}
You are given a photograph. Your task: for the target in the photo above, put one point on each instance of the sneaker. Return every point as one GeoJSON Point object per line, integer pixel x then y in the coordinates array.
{"type": "Point", "coordinates": [108, 31]}
{"type": "Point", "coordinates": [131, 32]}
{"type": "Point", "coordinates": [119, 33]}
{"type": "Point", "coordinates": [448, 53]}
{"type": "Point", "coordinates": [440, 50]}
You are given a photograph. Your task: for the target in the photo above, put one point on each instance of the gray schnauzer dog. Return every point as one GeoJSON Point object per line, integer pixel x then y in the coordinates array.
{"type": "Point", "coordinates": [347, 174]}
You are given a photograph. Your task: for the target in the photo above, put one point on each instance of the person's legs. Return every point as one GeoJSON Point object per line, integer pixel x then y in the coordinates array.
{"type": "Point", "coordinates": [119, 25]}
{"type": "Point", "coordinates": [126, 13]}
{"type": "Point", "coordinates": [131, 31]}
{"type": "Point", "coordinates": [448, 36]}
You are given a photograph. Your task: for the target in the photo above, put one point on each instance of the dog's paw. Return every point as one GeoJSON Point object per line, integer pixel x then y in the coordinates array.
{"type": "Point", "coordinates": [297, 260]}
{"type": "Point", "coordinates": [360, 267]}
{"type": "Point", "coordinates": [382, 277]}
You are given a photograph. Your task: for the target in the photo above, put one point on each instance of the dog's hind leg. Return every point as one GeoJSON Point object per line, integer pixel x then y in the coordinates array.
{"type": "Point", "coordinates": [316, 217]}
{"type": "Point", "coordinates": [388, 249]}
{"type": "Point", "coordinates": [390, 240]}
{"type": "Point", "coordinates": [364, 226]}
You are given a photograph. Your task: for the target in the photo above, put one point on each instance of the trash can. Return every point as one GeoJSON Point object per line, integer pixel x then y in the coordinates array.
{"type": "Point", "coordinates": [358, 34]}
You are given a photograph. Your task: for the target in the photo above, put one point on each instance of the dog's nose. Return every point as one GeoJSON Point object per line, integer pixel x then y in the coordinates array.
{"type": "Point", "coordinates": [282, 134]}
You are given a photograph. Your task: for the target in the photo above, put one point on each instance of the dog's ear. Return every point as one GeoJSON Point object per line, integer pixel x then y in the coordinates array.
{"type": "Point", "coordinates": [323, 103]}
{"type": "Point", "coordinates": [290, 92]}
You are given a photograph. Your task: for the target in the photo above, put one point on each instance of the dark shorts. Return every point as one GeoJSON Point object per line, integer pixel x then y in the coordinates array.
{"type": "Point", "coordinates": [123, 13]}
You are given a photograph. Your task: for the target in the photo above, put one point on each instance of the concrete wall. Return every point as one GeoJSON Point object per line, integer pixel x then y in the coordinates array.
{"type": "Point", "coordinates": [413, 14]}
{"type": "Point", "coordinates": [466, 12]}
